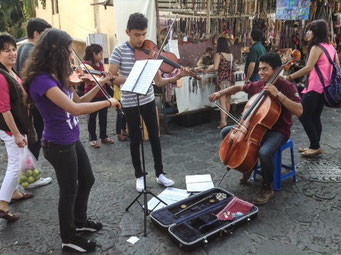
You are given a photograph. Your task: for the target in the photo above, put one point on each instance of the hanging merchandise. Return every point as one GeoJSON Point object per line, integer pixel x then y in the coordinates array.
{"type": "Point", "coordinates": [293, 9]}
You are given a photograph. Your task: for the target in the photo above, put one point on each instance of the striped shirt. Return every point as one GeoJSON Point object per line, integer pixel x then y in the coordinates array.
{"type": "Point", "coordinates": [123, 56]}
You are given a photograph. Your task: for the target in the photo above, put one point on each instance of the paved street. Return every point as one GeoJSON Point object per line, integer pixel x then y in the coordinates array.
{"type": "Point", "coordinates": [303, 218]}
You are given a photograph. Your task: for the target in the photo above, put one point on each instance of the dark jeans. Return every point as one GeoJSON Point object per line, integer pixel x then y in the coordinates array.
{"type": "Point", "coordinates": [38, 124]}
{"type": "Point", "coordinates": [102, 115]}
{"type": "Point", "coordinates": [75, 179]}
{"type": "Point", "coordinates": [121, 122]}
{"type": "Point", "coordinates": [148, 113]}
{"type": "Point", "coordinates": [270, 144]}
{"type": "Point", "coordinates": [311, 118]}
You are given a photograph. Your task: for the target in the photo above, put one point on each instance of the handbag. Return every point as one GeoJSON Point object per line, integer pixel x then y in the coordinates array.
{"type": "Point", "coordinates": [331, 93]}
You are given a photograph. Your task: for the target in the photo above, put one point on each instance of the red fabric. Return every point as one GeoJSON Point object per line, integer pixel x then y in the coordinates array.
{"type": "Point", "coordinates": [90, 84]}
{"type": "Point", "coordinates": [5, 103]}
{"type": "Point", "coordinates": [235, 206]}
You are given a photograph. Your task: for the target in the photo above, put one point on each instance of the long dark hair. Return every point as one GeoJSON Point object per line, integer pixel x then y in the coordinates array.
{"type": "Point", "coordinates": [320, 31]}
{"type": "Point", "coordinates": [222, 45]}
{"type": "Point", "coordinates": [50, 55]}
{"type": "Point", "coordinates": [90, 50]}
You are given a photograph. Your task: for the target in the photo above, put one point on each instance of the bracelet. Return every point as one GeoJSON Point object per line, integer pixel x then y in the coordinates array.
{"type": "Point", "coordinates": [109, 103]}
{"type": "Point", "coordinates": [278, 94]}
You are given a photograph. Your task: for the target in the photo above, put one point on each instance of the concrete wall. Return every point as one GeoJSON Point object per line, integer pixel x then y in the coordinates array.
{"type": "Point", "coordinates": [79, 18]}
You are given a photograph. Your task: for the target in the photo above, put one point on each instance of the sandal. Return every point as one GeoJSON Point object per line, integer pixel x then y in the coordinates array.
{"type": "Point", "coordinates": [107, 140]}
{"type": "Point", "coordinates": [24, 196]}
{"type": "Point", "coordinates": [94, 144]}
{"type": "Point", "coordinates": [222, 125]}
{"type": "Point", "coordinates": [302, 149]}
{"type": "Point", "coordinates": [8, 216]}
{"type": "Point", "coordinates": [311, 153]}
{"type": "Point", "coordinates": [121, 137]}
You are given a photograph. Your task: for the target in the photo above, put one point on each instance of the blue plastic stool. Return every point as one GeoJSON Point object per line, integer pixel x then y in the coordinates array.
{"type": "Point", "coordinates": [278, 177]}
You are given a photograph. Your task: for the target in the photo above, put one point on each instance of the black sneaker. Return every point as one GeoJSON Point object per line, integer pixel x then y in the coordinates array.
{"type": "Point", "coordinates": [80, 244]}
{"type": "Point", "coordinates": [89, 226]}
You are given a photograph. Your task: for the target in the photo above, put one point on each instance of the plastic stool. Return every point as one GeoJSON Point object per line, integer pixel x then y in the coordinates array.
{"type": "Point", "coordinates": [278, 177]}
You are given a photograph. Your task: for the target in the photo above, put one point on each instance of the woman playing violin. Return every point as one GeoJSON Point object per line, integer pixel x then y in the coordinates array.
{"type": "Point", "coordinates": [286, 94]}
{"type": "Point", "coordinates": [122, 60]}
{"type": "Point", "coordinates": [93, 57]}
{"type": "Point", "coordinates": [45, 78]}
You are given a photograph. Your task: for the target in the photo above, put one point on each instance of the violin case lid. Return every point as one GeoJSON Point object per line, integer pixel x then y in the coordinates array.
{"type": "Point", "coordinates": [192, 222]}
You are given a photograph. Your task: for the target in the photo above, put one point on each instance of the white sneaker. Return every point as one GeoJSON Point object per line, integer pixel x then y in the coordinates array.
{"type": "Point", "coordinates": [140, 184]}
{"type": "Point", "coordinates": [41, 182]}
{"type": "Point", "coordinates": [162, 179]}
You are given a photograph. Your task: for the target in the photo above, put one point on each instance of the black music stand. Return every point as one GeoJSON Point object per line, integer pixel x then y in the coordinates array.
{"type": "Point", "coordinates": [138, 83]}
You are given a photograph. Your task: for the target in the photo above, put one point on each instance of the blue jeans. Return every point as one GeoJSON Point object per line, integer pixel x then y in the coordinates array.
{"type": "Point", "coordinates": [312, 103]}
{"type": "Point", "coordinates": [75, 179]}
{"type": "Point", "coordinates": [148, 112]}
{"type": "Point", "coordinates": [271, 142]}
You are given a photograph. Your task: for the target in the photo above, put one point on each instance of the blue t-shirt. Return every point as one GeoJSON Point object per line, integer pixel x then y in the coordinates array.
{"type": "Point", "coordinates": [60, 127]}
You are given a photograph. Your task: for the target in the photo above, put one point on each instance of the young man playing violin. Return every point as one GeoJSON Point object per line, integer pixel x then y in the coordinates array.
{"type": "Point", "coordinates": [122, 60]}
{"type": "Point", "coordinates": [286, 94]}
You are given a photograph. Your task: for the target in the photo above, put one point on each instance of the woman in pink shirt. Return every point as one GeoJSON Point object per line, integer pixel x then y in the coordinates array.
{"type": "Point", "coordinates": [312, 99]}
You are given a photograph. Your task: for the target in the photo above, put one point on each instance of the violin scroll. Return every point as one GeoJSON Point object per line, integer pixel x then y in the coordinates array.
{"type": "Point", "coordinates": [295, 57]}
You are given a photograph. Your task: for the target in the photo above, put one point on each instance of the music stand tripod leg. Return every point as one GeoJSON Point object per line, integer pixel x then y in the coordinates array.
{"type": "Point", "coordinates": [145, 191]}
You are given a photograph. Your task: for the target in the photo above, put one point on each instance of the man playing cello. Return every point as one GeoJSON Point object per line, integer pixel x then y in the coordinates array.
{"type": "Point", "coordinates": [286, 94]}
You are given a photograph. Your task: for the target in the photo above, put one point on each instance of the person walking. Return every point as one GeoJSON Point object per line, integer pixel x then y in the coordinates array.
{"type": "Point", "coordinates": [312, 99]}
{"type": "Point", "coordinates": [14, 124]}
{"type": "Point", "coordinates": [34, 28]}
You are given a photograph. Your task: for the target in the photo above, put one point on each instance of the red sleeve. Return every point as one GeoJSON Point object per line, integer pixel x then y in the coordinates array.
{"type": "Point", "coordinates": [5, 102]}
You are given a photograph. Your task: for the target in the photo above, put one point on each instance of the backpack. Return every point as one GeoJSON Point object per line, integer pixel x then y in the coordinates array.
{"type": "Point", "coordinates": [332, 93]}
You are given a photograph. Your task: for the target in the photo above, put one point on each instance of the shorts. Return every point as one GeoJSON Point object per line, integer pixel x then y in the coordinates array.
{"type": "Point", "coordinates": [223, 85]}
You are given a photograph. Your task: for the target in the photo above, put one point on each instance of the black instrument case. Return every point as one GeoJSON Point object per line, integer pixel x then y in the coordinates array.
{"type": "Point", "coordinates": [192, 222]}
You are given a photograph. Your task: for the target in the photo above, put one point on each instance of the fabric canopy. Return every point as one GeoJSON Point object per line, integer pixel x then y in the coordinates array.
{"type": "Point", "coordinates": [123, 9]}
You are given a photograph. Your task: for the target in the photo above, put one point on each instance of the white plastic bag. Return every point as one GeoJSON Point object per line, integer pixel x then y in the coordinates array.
{"type": "Point", "coordinates": [29, 173]}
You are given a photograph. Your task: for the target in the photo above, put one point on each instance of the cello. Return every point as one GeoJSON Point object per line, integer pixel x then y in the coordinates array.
{"type": "Point", "coordinates": [239, 149]}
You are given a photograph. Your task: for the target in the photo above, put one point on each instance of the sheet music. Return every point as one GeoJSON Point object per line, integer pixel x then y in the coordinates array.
{"type": "Point", "coordinates": [141, 76]}
{"type": "Point", "coordinates": [198, 183]}
{"type": "Point", "coordinates": [169, 195]}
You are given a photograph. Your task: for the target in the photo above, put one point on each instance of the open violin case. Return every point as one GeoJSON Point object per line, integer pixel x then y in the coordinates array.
{"type": "Point", "coordinates": [194, 221]}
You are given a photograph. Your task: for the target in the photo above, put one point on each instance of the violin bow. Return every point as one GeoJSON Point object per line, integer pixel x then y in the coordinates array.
{"type": "Point", "coordinates": [230, 115]}
{"type": "Point", "coordinates": [106, 94]}
{"type": "Point", "coordinates": [164, 41]}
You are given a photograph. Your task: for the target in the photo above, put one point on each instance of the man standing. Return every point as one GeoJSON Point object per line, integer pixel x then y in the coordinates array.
{"type": "Point", "coordinates": [252, 61]}
{"type": "Point", "coordinates": [122, 60]}
{"type": "Point", "coordinates": [34, 28]}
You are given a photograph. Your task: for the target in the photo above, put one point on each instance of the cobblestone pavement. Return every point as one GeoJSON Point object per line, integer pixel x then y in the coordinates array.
{"type": "Point", "coordinates": [303, 218]}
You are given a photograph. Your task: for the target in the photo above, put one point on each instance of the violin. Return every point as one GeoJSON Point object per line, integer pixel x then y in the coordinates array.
{"type": "Point", "coordinates": [86, 73]}
{"type": "Point", "coordinates": [239, 149]}
{"type": "Point", "coordinates": [149, 50]}
{"type": "Point", "coordinates": [75, 77]}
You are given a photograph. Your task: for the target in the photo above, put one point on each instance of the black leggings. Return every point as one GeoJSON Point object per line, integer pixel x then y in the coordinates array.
{"type": "Point", "coordinates": [311, 118]}
{"type": "Point", "coordinates": [75, 179]}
